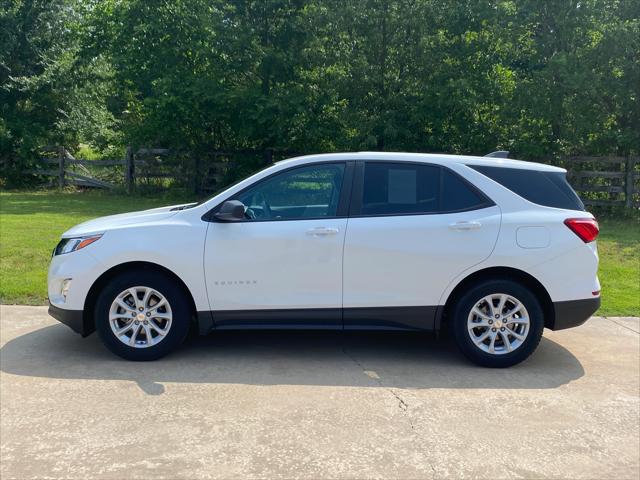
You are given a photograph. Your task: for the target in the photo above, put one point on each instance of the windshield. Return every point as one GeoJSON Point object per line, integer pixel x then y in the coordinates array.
{"type": "Point", "coordinates": [231, 185]}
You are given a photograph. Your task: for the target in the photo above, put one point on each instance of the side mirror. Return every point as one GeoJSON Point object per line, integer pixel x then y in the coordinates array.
{"type": "Point", "coordinates": [230, 211]}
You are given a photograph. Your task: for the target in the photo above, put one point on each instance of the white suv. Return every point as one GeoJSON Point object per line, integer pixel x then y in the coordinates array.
{"type": "Point", "coordinates": [494, 249]}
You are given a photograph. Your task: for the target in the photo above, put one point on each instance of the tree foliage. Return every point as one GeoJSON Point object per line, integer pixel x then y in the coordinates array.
{"type": "Point", "coordinates": [461, 76]}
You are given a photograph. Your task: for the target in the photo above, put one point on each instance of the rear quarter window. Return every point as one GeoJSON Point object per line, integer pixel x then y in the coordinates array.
{"type": "Point", "coordinates": [549, 189]}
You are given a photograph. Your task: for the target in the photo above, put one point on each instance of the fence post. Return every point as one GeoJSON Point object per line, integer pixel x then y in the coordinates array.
{"type": "Point", "coordinates": [268, 156]}
{"type": "Point", "coordinates": [628, 190]}
{"type": "Point", "coordinates": [196, 175]}
{"type": "Point", "coordinates": [61, 159]}
{"type": "Point", "coordinates": [129, 170]}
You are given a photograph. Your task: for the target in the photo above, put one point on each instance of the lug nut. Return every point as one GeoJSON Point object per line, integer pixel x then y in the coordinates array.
{"type": "Point", "coordinates": [137, 322]}
{"type": "Point", "coordinates": [502, 329]}
{"type": "Point", "coordinates": [141, 309]}
{"type": "Point", "coordinates": [148, 314]}
{"type": "Point", "coordinates": [133, 314]}
{"type": "Point", "coordinates": [490, 322]}
{"type": "Point", "coordinates": [147, 323]}
{"type": "Point", "coordinates": [493, 329]}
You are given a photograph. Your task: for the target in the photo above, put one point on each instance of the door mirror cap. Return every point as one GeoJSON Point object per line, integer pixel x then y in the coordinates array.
{"type": "Point", "coordinates": [230, 211]}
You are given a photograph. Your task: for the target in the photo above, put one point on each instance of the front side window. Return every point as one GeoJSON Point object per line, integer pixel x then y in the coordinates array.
{"type": "Point", "coordinates": [299, 193]}
{"type": "Point", "coordinates": [411, 189]}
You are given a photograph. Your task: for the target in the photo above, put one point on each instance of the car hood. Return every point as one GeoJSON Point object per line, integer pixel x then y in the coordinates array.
{"type": "Point", "coordinates": [102, 224]}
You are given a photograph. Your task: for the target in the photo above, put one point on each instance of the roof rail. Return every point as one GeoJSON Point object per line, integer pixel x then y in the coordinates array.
{"type": "Point", "coordinates": [498, 154]}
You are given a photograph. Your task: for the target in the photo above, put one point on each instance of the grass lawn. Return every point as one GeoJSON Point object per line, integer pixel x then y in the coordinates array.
{"type": "Point", "coordinates": [31, 224]}
{"type": "Point", "coordinates": [619, 250]}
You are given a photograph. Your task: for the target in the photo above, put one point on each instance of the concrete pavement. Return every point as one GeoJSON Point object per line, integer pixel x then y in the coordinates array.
{"type": "Point", "coordinates": [316, 405]}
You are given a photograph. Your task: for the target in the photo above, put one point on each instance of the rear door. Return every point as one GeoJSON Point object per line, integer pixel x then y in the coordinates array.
{"type": "Point", "coordinates": [413, 228]}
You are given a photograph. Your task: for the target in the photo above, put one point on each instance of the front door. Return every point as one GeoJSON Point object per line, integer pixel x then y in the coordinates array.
{"type": "Point", "coordinates": [282, 266]}
{"type": "Point", "coordinates": [414, 228]}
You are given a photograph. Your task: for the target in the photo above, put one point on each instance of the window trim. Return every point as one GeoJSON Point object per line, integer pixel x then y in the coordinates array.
{"type": "Point", "coordinates": [343, 202]}
{"type": "Point", "coordinates": [358, 191]}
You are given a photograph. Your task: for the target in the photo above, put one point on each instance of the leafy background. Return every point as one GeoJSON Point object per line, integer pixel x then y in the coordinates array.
{"type": "Point", "coordinates": [541, 79]}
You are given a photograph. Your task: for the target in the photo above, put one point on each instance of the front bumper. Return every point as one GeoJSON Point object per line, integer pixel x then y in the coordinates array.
{"type": "Point", "coordinates": [573, 313]}
{"type": "Point", "coordinates": [73, 319]}
{"type": "Point", "coordinates": [82, 269]}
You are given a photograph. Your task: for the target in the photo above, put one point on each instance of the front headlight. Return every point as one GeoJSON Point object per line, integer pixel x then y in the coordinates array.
{"type": "Point", "coordinates": [68, 245]}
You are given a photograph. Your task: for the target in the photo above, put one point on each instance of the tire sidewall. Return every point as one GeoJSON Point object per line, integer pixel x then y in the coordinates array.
{"type": "Point", "coordinates": [164, 285]}
{"type": "Point", "coordinates": [466, 302]}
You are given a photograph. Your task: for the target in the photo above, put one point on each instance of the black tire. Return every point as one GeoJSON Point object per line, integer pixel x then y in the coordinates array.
{"type": "Point", "coordinates": [463, 306]}
{"type": "Point", "coordinates": [174, 294]}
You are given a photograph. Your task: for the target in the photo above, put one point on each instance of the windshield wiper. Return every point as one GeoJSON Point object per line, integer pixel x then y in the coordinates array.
{"type": "Point", "coordinates": [184, 207]}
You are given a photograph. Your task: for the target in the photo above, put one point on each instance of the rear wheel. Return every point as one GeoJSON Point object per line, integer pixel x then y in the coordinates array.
{"type": "Point", "coordinates": [497, 323]}
{"type": "Point", "coordinates": [142, 315]}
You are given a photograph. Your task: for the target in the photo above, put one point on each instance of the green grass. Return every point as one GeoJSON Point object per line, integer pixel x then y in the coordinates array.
{"type": "Point", "coordinates": [619, 250]}
{"type": "Point", "coordinates": [31, 224]}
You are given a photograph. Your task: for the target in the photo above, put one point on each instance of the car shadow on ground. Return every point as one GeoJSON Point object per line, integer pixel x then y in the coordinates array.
{"type": "Point", "coordinates": [355, 359]}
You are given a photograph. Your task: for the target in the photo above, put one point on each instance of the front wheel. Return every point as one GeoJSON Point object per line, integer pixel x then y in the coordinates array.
{"type": "Point", "coordinates": [142, 315]}
{"type": "Point", "coordinates": [497, 323]}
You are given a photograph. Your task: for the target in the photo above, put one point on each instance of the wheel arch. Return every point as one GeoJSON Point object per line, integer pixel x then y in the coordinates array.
{"type": "Point", "coordinates": [499, 273]}
{"type": "Point", "coordinates": [88, 319]}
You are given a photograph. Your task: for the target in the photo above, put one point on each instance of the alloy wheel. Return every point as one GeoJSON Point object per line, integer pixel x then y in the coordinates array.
{"type": "Point", "coordinates": [140, 317]}
{"type": "Point", "coordinates": [498, 324]}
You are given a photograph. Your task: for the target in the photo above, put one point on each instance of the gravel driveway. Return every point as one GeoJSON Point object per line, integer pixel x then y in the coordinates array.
{"type": "Point", "coordinates": [317, 405]}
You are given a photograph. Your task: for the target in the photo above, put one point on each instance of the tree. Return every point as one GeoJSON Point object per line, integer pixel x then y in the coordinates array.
{"type": "Point", "coordinates": [541, 79]}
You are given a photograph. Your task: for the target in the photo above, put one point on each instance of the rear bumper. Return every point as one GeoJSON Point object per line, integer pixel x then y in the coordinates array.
{"type": "Point", "coordinates": [71, 318]}
{"type": "Point", "coordinates": [573, 312]}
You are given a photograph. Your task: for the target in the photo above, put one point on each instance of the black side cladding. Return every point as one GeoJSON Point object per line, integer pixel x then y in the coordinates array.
{"type": "Point", "coordinates": [71, 318]}
{"type": "Point", "coordinates": [573, 312]}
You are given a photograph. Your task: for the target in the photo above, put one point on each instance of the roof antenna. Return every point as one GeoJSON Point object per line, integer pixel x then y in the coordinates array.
{"type": "Point", "coordinates": [498, 154]}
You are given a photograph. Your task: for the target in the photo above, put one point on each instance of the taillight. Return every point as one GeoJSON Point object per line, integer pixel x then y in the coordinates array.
{"type": "Point", "coordinates": [586, 228]}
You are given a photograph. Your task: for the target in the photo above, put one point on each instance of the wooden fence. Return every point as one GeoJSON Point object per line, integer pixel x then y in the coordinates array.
{"type": "Point", "coordinates": [600, 181]}
{"type": "Point", "coordinates": [605, 181]}
{"type": "Point", "coordinates": [143, 165]}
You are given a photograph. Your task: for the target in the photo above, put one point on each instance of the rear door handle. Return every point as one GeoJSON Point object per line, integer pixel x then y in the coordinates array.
{"type": "Point", "coordinates": [322, 231]}
{"type": "Point", "coordinates": [465, 225]}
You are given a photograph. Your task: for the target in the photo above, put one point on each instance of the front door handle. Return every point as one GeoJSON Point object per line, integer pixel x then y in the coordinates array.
{"type": "Point", "coordinates": [322, 231]}
{"type": "Point", "coordinates": [465, 225]}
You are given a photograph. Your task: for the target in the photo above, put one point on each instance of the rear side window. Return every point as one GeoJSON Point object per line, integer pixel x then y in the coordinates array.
{"type": "Point", "coordinates": [393, 188]}
{"type": "Point", "coordinates": [411, 189]}
{"type": "Point", "coordinates": [549, 189]}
